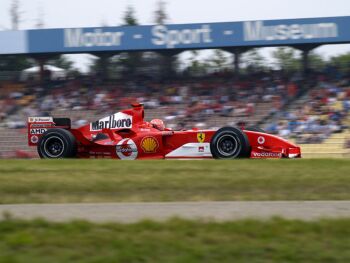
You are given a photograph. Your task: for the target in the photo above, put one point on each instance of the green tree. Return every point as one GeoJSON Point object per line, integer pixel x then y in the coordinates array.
{"type": "Point", "coordinates": [40, 23]}
{"type": "Point", "coordinates": [196, 67]}
{"type": "Point", "coordinates": [316, 61]}
{"type": "Point", "coordinates": [218, 60]}
{"type": "Point", "coordinates": [287, 59]}
{"type": "Point", "coordinates": [62, 62]}
{"type": "Point", "coordinates": [15, 14]}
{"type": "Point", "coordinates": [160, 15]}
{"type": "Point", "coordinates": [14, 62]}
{"type": "Point", "coordinates": [342, 62]}
{"type": "Point", "coordinates": [129, 18]}
{"type": "Point", "coordinates": [254, 61]}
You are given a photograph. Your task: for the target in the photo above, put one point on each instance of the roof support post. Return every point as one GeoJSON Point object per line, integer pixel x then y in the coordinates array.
{"type": "Point", "coordinates": [167, 62]}
{"type": "Point", "coordinates": [102, 70]}
{"type": "Point", "coordinates": [41, 60]}
{"type": "Point", "coordinates": [237, 53]}
{"type": "Point", "coordinates": [305, 49]}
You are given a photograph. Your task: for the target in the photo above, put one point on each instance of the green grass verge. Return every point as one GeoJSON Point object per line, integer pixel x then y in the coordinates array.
{"type": "Point", "coordinates": [59, 181]}
{"type": "Point", "coordinates": [276, 240]}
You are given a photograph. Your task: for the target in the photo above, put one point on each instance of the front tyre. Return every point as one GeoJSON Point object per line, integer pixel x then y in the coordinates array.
{"type": "Point", "coordinates": [229, 143]}
{"type": "Point", "coordinates": [57, 143]}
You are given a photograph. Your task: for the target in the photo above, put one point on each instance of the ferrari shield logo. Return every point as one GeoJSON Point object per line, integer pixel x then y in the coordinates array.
{"type": "Point", "coordinates": [200, 137]}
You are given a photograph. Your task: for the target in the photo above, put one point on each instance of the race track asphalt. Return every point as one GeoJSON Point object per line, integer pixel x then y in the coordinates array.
{"type": "Point", "coordinates": [218, 211]}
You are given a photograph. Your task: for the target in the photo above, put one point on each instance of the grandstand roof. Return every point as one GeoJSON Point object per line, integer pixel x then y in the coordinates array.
{"type": "Point", "coordinates": [178, 37]}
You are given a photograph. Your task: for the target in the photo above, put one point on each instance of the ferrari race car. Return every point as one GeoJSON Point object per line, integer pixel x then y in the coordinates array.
{"type": "Point", "coordinates": [126, 136]}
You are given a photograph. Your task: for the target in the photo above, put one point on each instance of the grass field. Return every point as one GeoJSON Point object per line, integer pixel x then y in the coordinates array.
{"type": "Point", "coordinates": [276, 240]}
{"type": "Point", "coordinates": [59, 181]}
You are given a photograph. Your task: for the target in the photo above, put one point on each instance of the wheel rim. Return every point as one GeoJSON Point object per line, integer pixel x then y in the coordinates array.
{"type": "Point", "coordinates": [228, 146]}
{"type": "Point", "coordinates": [54, 147]}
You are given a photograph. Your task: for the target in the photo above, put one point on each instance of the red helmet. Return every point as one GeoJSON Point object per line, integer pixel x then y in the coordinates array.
{"type": "Point", "coordinates": [158, 124]}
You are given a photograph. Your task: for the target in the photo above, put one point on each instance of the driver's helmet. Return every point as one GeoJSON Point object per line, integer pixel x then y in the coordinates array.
{"type": "Point", "coordinates": [158, 124]}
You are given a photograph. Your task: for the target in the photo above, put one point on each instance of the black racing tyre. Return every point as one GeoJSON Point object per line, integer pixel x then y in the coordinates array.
{"type": "Point", "coordinates": [57, 143]}
{"type": "Point", "coordinates": [256, 129]}
{"type": "Point", "coordinates": [229, 143]}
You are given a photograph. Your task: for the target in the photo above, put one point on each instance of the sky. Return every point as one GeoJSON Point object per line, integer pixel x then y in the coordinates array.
{"type": "Point", "coordinates": [86, 13]}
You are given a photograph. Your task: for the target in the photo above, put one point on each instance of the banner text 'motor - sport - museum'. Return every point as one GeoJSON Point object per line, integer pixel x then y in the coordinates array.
{"type": "Point", "coordinates": [204, 34]}
{"type": "Point", "coordinates": [162, 36]}
{"type": "Point", "coordinates": [316, 31]}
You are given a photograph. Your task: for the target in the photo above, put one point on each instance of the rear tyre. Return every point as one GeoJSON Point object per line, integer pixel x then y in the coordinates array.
{"type": "Point", "coordinates": [229, 143]}
{"type": "Point", "coordinates": [256, 129]}
{"type": "Point", "coordinates": [57, 143]}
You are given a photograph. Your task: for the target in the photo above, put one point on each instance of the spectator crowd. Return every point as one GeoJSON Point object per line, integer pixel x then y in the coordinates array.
{"type": "Point", "coordinates": [188, 102]}
{"type": "Point", "coordinates": [321, 113]}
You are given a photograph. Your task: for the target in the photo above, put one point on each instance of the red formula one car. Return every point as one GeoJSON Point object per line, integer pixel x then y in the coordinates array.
{"type": "Point", "coordinates": [125, 135]}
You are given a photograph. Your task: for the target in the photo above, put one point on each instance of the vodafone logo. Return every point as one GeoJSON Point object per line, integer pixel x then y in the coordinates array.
{"type": "Point", "coordinates": [267, 154]}
{"type": "Point", "coordinates": [261, 140]}
{"type": "Point", "coordinates": [126, 149]}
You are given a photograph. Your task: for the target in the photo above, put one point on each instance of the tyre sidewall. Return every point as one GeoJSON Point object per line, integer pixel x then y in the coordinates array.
{"type": "Point", "coordinates": [241, 138]}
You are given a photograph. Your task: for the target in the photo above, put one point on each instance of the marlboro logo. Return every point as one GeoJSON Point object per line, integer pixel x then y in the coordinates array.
{"type": "Point", "coordinates": [115, 121]}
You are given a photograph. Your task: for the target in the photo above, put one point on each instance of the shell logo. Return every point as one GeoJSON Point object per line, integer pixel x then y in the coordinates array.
{"type": "Point", "coordinates": [149, 144]}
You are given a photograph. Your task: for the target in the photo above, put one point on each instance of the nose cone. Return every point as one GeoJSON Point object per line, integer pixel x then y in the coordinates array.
{"type": "Point", "coordinates": [294, 152]}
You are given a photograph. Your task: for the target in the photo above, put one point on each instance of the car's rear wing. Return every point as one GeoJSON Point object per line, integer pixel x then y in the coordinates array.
{"type": "Point", "coordinates": [37, 126]}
